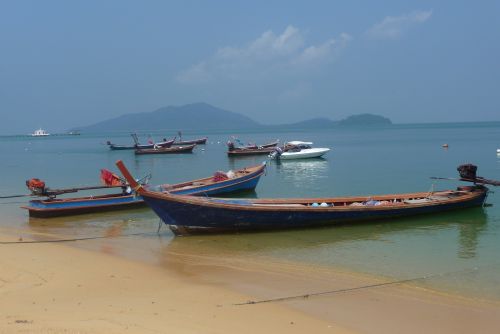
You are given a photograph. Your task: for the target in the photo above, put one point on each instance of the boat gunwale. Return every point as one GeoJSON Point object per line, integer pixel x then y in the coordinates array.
{"type": "Point", "coordinates": [166, 150]}
{"type": "Point", "coordinates": [92, 207]}
{"type": "Point", "coordinates": [257, 172]}
{"type": "Point", "coordinates": [278, 204]}
{"type": "Point", "coordinates": [254, 169]}
{"type": "Point", "coordinates": [85, 198]}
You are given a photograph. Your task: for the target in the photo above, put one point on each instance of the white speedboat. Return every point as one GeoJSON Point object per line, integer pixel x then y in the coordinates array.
{"type": "Point", "coordinates": [298, 150]}
{"type": "Point", "coordinates": [40, 133]}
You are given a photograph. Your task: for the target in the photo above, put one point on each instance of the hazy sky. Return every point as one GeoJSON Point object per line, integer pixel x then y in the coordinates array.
{"type": "Point", "coordinates": [71, 63]}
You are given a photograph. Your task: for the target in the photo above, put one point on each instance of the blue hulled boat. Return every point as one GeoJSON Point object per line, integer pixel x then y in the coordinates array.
{"type": "Point", "coordinates": [221, 183]}
{"type": "Point", "coordinates": [189, 215]}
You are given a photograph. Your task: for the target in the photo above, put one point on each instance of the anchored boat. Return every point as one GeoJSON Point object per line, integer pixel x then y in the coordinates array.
{"type": "Point", "coordinates": [221, 183]}
{"type": "Point", "coordinates": [188, 215]}
{"type": "Point", "coordinates": [298, 150]}
{"type": "Point", "coordinates": [137, 145]}
{"type": "Point", "coordinates": [166, 150]}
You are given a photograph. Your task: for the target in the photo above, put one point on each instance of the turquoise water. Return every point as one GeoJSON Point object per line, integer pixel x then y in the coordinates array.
{"type": "Point", "coordinates": [458, 249]}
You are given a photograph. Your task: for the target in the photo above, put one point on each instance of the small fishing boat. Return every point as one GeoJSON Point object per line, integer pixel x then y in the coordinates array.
{"type": "Point", "coordinates": [166, 150]}
{"type": "Point", "coordinates": [241, 146]}
{"type": "Point", "coordinates": [250, 151]}
{"type": "Point", "coordinates": [40, 133]}
{"type": "Point", "coordinates": [57, 207]}
{"type": "Point", "coordinates": [137, 145]}
{"type": "Point", "coordinates": [190, 142]}
{"type": "Point", "coordinates": [255, 146]}
{"type": "Point", "coordinates": [188, 215]}
{"type": "Point", "coordinates": [221, 183]}
{"type": "Point", "coordinates": [235, 151]}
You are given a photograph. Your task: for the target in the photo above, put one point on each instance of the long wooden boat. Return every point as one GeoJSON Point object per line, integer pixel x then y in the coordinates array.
{"type": "Point", "coordinates": [189, 215]}
{"type": "Point", "coordinates": [194, 141]}
{"type": "Point", "coordinates": [165, 143]}
{"type": "Point", "coordinates": [254, 146]}
{"type": "Point", "coordinates": [250, 151]}
{"type": "Point", "coordinates": [241, 180]}
{"type": "Point", "coordinates": [167, 150]}
{"type": "Point", "coordinates": [56, 207]}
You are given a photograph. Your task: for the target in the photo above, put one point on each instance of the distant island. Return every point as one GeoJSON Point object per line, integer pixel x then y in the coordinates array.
{"type": "Point", "coordinates": [203, 116]}
{"type": "Point", "coordinates": [365, 120]}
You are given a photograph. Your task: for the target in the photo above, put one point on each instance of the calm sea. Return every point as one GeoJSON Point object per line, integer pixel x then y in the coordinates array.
{"type": "Point", "coordinates": [459, 249]}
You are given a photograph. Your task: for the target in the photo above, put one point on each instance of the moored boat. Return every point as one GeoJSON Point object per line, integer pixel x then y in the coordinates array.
{"type": "Point", "coordinates": [298, 150]}
{"type": "Point", "coordinates": [221, 183]}
{"type": "Point", "coordinates": [166, 150]}
{"type": "Point", "coordinates": [235, 151]}
{"type": "Point", "coordinates": [190, 142]}
{"type": "Point", "coordinates": [250, 151]}
{"type": "Point", "coordinates": [137, 145]}
{"type": "Point", "coordinates": [187, 215]}
{"type": "Point", "coordinates": [241, 146]}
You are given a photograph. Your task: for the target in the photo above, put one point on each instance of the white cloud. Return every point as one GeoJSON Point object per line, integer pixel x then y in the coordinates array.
{"type": "Point", "coordinates": [393, 27]}
{"type": "Point", "coordinates": [196, 73]}
{"type": "Point", "coordinates": [266, 55]}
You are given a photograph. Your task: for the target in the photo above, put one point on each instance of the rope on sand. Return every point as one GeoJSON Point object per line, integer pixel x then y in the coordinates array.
{"type": "Point", "coordinates": [305, 296]}
{"type": "Point", "coordinates": [67, 240]}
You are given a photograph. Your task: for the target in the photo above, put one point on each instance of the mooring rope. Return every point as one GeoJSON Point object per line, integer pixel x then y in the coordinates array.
{"type": "Point", "coordinates": [307, 295]}
{"type": "Point", "coordinates": [68, 240]}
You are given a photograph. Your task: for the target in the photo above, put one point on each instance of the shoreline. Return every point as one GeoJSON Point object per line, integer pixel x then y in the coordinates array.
{"type": "Point", "coordinates": [51, 287]}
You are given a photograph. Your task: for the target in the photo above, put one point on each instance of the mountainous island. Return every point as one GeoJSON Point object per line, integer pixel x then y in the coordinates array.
{"type": "Point", "coordinates": [203, 116]}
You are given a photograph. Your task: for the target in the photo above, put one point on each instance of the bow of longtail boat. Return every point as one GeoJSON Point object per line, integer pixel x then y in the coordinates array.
{"type": "Point", "coordinates": [189, 215]}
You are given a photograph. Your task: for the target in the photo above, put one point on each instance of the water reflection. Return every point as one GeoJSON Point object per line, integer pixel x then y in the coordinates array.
{"type": "Point", "coordinates": [469, 224]}
{"type": "Point", "coordinates": [303, 172]}
{"type": "Point", "coordinates": [95, 224]}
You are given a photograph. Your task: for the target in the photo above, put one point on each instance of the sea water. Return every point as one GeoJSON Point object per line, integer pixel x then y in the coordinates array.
{"type": "Point", "coordinates": [456, 251]}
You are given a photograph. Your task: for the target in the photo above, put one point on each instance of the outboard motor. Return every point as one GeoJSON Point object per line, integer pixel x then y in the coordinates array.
{"type": "Point", "coordinates": [467, 171]}
{"type": "Point", "coordinates": [276, 153]}
{"type": "Point", "coordinates": [230, 145]}
{"type": "Point", "coordinates": [36, 186]}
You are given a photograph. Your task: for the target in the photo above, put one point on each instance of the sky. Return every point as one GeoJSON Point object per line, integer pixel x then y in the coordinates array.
{"type": "Point", "coordinates": [65, 64]}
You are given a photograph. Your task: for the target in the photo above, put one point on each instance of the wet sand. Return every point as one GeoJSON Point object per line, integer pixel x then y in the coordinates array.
{"type": "Point", "coordinates": [59, 288]}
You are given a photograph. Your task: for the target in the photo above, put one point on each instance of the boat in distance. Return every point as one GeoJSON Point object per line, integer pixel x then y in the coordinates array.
{"type": "Point", "coordinates": [40, 133]}
{"type": "Point", "coordinates": [250, 151]}
{"type": "Point", "coordinates": [199, 141]}
{"type": "Point", "coordinates": [240, 180]}
{"type": "Point", "coordinates": [195, 215]}
{"type": "Point", "coordinates": [235, 151]}
{"type": "Point", "coordinates": [166, 150]}
{"type": "Point", "coordinates": [137, 145]}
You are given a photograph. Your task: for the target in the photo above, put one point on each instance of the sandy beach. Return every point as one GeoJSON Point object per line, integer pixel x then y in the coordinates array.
{"type": "Point", "coordinates": [59, 288]}
{"type": "Point", "coordinates": [53, 288]}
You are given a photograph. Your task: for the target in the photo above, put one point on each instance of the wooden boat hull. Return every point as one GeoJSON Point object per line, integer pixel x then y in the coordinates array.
{"type": "Point", "coordinates": [250, 151]}
{"type": "Point", "coordinates": [188, 215]}
{"type": "Point", "coordinates": [116, 147]}
{"type": "Point", "coordinates": [194, 141]}
{"type": "Point", "coordinates": [167, 150]}
{"type": "Point", "coordinates": [82, 205]}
